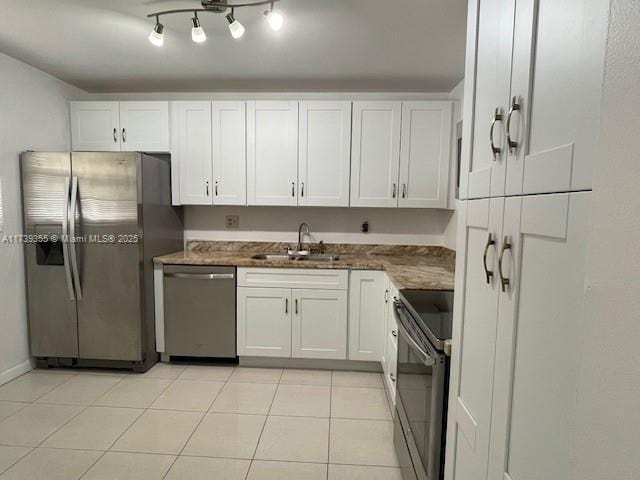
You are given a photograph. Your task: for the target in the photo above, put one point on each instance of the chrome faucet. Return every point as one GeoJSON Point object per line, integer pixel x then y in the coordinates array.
{"type": "Point", "coordinates": [302, 229]}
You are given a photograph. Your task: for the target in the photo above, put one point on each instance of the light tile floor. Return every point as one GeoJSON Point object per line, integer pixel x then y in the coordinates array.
{"type": "Point", "coordinates": [196, 422]}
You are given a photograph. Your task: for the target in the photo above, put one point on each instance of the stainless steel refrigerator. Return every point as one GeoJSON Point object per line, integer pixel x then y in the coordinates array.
{"type": "Point", "coordinates": [93, 223]}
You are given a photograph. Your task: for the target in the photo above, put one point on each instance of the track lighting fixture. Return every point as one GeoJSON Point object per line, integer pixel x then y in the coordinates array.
{"type": "Point", "coordinates": [274, 18]}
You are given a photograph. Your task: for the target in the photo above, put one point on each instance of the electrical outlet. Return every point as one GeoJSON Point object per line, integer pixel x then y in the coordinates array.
{"type": "Point", "coordinates": [232, 221]}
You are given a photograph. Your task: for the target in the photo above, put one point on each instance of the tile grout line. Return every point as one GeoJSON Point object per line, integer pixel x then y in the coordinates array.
{"type": "Point", "coordinates": [330, 421]}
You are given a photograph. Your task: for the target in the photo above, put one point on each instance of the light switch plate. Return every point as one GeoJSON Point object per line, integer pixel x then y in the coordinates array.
{"type": "Point", "coordinates": [232, 221]}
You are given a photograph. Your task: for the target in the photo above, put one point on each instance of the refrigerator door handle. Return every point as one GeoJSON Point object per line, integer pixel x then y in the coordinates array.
{"type": "Point", "coordinates": [72, 234]}
{"type": "Point", "coordinates": [64, 239]}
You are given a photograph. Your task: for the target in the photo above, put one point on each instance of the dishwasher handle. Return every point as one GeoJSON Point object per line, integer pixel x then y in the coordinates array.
{"type": "Point", "coordinates": [201, 276]}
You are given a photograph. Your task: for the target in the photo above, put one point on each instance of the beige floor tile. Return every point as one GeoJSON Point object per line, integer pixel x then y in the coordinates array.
{"type": "Point", "coordinates": [10, 455]}
{"type": "Point", "coordinates": [130, 466]}
{"type": "Point", "coordinates": [167, 371]}
{"type": "Point", "coordinates": [359, 472]}
{"type": "Point", "coordinates": [9, 408]}
{"type": "Point", "coordinates": [207, 373]}
{"type": "Point", "coordinates": [226, 435]}
{"type": "Point", "coordinates": [52, 464]}
{"type": "Point", "coordinates": [257, 375]}
{"type": "Point", "coordinates": [301, 401]}
{"type": "Point", "coordinates": [34, 423]}
{"type": "Point", "coordinates": [362, 442]}
{"type": "Point", "coordinates": [134, 392]}
{"type": "Point", "coordinates": [96, 428]}
{"type": "Point", "coordinates": [358, 402]}
{"type": "Point", "coordinates": [296, 439]}
{"type": "Point", "coordinates": [195, 395]}
{"type": "Point", "coordinates": [31, 386]}
{"type": "Point", "coordinates": [357, 379]}
{"type": "Point", "coordinates": [80, 390]}
{"type": "Point", "coordinates": [306, 377]}
{"type": "Point", "coordinates": [253, 398]}
{"type": "Point", "coordinates": [159, 431]}
{"type": "Point", "coordinates": [199, 468]}
{"type": "Point", "coordinates": [272, 470]}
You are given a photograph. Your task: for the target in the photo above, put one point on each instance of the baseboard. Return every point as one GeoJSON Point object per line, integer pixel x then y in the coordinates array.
{"type": "Point", "coordinates": [310, 363]}
{"type": "Point", "coordinates": [16, 371]}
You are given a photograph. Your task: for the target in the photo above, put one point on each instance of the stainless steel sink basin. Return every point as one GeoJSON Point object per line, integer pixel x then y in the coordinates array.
{"type": "Point", "coordinates": [296, 258]}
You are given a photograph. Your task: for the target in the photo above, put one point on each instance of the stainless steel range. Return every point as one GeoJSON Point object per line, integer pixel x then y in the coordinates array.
{"type": "Point", "coordinates": [424, 325]}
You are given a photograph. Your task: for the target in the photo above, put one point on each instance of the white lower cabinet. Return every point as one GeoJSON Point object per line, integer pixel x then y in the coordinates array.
{"type": "Point", "coordinates": [517, 335]}
{"type": "Point", "coordinates": [284, 319]}
{"type": "Point", "coordinates": [366, 315]}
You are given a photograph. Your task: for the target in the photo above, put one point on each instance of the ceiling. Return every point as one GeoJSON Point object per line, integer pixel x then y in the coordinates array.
{"type": "Point", "coordinates": [325, 45]}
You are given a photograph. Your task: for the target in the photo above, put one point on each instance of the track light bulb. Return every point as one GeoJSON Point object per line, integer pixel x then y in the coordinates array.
{"type": "Point", "coordinates": [197, 32]}
{"type": "Point", "coordinates": [156, 37]}
{"type": "Point", "coordinates": [235, 27]}
{"type": "Point", "coordinates": [274, 19]}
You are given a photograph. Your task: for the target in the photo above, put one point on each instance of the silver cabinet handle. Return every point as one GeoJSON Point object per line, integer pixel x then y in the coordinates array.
{"type": "Point", "coordinates": [201, 276]}
{"type": "Point", "coordinates": [293, 189]}
{"type": "Point", "coordinates": [115, 135]}
{"type": "Point", "coordinates": [386, 296]}
{"type": "Point", "coordinates": [392, 377]}
{"type": "Point", "coordinates": [504, 281]}
{"type": "Point", "coordinates": [207, 187]}
{"type": "Point", "coordinates": [490, 243]}
{"type": "Point", "coordinates": [393, 194]}
{"type": "Point", "coordinates": [286, 305]}
{"type": "Point", "coordinates": [404, 190]}
{"type": "Point", "coordinates": [515, 107]}
{"type": "Point", "coordinates": [302, 189]}
{"type": "Point", "coordinates": [124, 135]}
{"type": "Point", "coordinates": [497, 117]}
{"type": "Point", "coordinates": [216, 189]}
{"type": "Point", "coordinates": [394, 333]}
{"type": "Point", "coordinates": [64, 239]}
{"type": "Point", "coordinates": [72, 234]}
{"type": "Point", "coordinates": [296, 302]}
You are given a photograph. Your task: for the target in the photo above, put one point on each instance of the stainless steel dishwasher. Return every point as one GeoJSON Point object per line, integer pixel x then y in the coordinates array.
{"type": "Point", "coordinates": [200, 311]}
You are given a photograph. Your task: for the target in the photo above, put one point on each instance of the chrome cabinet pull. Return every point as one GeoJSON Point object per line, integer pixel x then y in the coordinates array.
{"type": "Point", "coordinates": [395, 188]}
{"type": "Point", "coordinates": [207, 187]}
{"type": "Point", "coordinates": [286, 305]}
{"type": "Point", "coordinates": [504, 281]}
{"type": "Point", "coordinates": [302, 189]}
{"type": "Point", "coordinates": [497, 117]}
{"type": "Point", "coordinates": [394, 333]}
{"type": "Point", "coordinates": [515, 107]}
{"type": "Point", "coordinates": [404, 190]}
{"type": "Point", "coordinates": [490, 243]}
{"type": "Point", "coordinates": [293, 189]}
{"type": "Point", "coordinates": [296, 306]}
{"type": "Point", "coordinates": [115, 135]}
{"type": "Point", "coordinates": [216, 188]}
{"type": "Point", "coordinates": [386, 296]}
{"type": "Point", "coordinates": [124, 135]}
{"type": "Point", "coordinates": [392, 377]}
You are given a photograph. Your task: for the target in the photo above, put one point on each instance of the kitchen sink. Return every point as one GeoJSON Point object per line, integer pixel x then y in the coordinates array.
{"type": "Point", "coordinates": [315, 257]}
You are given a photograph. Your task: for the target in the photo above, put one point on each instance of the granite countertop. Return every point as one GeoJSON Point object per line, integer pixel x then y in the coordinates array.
{"type": "Point", "coordinates": [412, 266]}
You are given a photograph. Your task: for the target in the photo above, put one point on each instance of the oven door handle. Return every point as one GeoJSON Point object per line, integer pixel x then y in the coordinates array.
{"type": "Point", "coordinates": [427, 359]}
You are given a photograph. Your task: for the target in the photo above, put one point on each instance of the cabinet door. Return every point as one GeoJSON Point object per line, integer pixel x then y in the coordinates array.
{"type": "Point", "coordinates": [474, 338]}
{"type": "Point", "coordinates": [375, 154]}
{"type": "Point", "coordinates": [264, 322]}
{"type": "Point", "coordinates": [319, 325]}
{"type": "Point", "coordinates": [539, 336]}
{"type": "Point", "coordinates": [144, 126]}
{"type": "Point", "coordinates": [487, 81]}
{"type": "Point", "coordinates": [425, 154]}
{"type": "Point", "coordinates": [95, 126]}
{"type": "Point", "coordinates": [366, 315]}
{"type": "Point", "coordinates": [272, 153]}
{"type": "Point", "coordinates": [191, 151]}
{"type": "Point", "coordinates": [558, 69]}
{"type": "Point", "coordinates": [229, 153]}
{"type": "Point", "coordinates": [324, 154]}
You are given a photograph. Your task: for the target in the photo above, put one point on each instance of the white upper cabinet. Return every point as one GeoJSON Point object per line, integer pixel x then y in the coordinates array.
{"type": "Point", "coordinates": [95, 126]}
{"type": "Point", "coordinates": [556, 88]}
{"type": "Point", "coordinates": [144, 126]}
{"type": "Point", "coordinates": [375, 154]}
{"type": "Point", "coordinates": [120, 126]}
{"type": "Point", "coordinates": [272, 153]}
{"type": "Point", "coordinates": [487, 83]}
{"type": "Point", "coordinates": [191, 151]}
{"type": "Point", "coordinates": [229, 153]}
{"type": "Point", "coordinates": [425, 154]}
{"type": "Point", "coordinates": [324, 153]}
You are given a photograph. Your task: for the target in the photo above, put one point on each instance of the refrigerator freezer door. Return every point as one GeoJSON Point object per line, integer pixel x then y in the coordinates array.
{"type": "Point", "coordinates": [50, 295]}
{"type": "Point", "coordinates": [108, 255]}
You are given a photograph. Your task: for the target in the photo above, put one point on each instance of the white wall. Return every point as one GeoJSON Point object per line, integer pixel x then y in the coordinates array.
{"type": "Point", "coordinates": [332, 225]}
{"type": "Point", "coordinates": [33, 116]}
{"type": "Point", "coordinates": [607, 437]}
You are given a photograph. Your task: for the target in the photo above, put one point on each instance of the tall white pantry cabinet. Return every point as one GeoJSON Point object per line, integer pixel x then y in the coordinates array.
{"type": "Point", "coordinates": [533, 86]}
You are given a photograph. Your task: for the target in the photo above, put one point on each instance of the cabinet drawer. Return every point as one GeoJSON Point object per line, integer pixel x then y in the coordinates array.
{"type": "Point", "coordinates": [318, 279]}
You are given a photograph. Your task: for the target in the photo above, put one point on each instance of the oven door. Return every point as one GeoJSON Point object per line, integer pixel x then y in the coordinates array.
{"type": "Point", "coordinates": [421, 392]}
